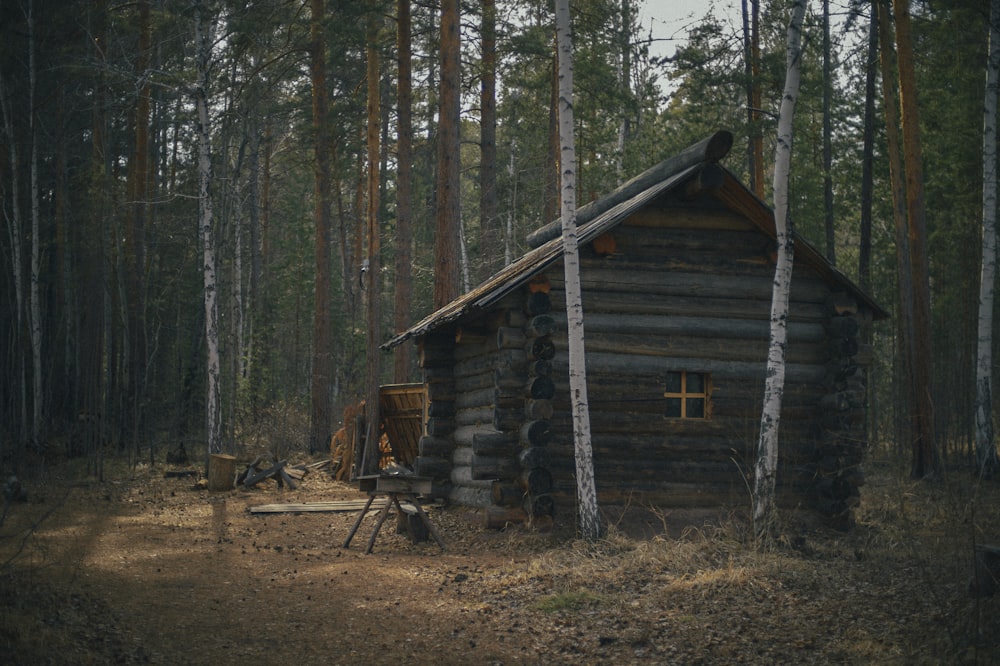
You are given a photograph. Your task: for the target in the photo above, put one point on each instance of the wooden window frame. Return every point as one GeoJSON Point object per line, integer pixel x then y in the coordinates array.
{"type": "Point", "coordinates": [684, 395]}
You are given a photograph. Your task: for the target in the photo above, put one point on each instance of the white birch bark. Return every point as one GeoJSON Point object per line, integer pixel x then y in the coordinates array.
{"type": "Point", "coordinates": [586, 491]}
{"type": "Point", "coordinates": [986, 454]}
{"type": "Point", "coordinates": [213, 406]}
{"type": "Point", "coordinates": [767, 446]}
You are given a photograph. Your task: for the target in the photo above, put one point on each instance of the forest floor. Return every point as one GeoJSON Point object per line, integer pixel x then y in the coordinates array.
{"type": "Point", "coordinates": [146, 569]}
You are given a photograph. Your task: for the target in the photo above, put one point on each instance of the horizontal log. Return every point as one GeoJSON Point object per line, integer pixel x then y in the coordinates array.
{"type": "Point", "coordinates": [474, 416]}
{"type": "Point", "coordinates": [536, 433]}
{"type": "Point", "coordinates": [435, 447]}
{"type": "Point", "coordinates": [488, 467]}
{"type": "Point", "coordinates": [495, 444]}
{"type": "Point", "coordinates": [656, 281]}
{"type": "Point", "coordinates": [508, 419]}
{"type": "Point", "coordinates": [510, 338]}
{"type": "Point", "coordinates": [433, 467]}
{"type": "Point", "coordinates": [488, 361]}
{"type": "Point", "coordinates": [437, 356]}
{"type": "Point", "coordinates": [472, 497]}
{"type": "Point", "coordinates": [441, 408]}
{"type": "Point", "coordinates": [645, 365]}
{"type": "Point", "coordinates": [507, 378]}
{"type": "Point", "coordinates": [443, 392]}
{"type": "Point", "coordinates": [507, 494]}
{"type": "Point", "coordinates": [490, 396]}
{"type": "Point", "coordinates": [498, 517]}
{"type": "Point", "coordinates": [698, 327]}
{"type": "Point", "coordinates": [687, 346]}
{"type": "Point", "coordinates": [471, 334]}
{"type": "Point", "coordinates": [440, 427]}
{"type": "Point", "coordinates": [464, 436]}
{"type": "Point", "coordinates": [461, 475]}
{"type": "Point", "coordinates": [628, 302]}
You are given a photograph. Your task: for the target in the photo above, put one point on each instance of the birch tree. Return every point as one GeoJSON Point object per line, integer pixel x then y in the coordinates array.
{"type": "Point", "coordinates": [586, 492]}
{"type": "Point", "coordinates": [767, 446]}
{"type": "Point", "coordinates": [986, 454]}
{"type": "Point", "coordinates": [213, 406]}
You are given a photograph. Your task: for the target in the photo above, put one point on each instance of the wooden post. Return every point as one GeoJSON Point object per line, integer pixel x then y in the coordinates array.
{"type": "Point", "coordinates": [221, 472]}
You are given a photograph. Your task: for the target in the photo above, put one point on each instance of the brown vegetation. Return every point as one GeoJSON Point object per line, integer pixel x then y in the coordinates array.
{"type": "Point", "coordinates": [144, 568]}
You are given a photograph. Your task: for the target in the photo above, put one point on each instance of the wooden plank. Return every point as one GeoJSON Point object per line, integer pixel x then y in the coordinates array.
{"type": "Point", "coordinates": [317, 507]}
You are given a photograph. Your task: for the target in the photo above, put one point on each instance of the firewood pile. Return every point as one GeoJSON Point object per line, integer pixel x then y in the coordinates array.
{"type": "Point", "coordinates": [346, 441]}
{"type": "Point", "coordinates": [263, 468]}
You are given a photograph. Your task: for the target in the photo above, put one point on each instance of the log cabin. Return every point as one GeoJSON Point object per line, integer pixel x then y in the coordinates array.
{"type": "Point", "coordinates": [677, 267]}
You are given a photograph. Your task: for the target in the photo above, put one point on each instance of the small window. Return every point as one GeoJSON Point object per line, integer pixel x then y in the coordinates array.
{"type": "Point", "coordinates": [687, 395]}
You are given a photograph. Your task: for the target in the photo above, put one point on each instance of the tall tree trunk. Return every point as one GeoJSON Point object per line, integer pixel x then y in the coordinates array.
{"type": "Point", "coordinates": [828, 218]}
{"type": "Point", "coordinates": [320, 413]}
{"type": "Point", "coordinates": [135, 229]}
{"type": "Point", "coordinates": [448, 214]}
{"type": "Point", "coordinates": [894, 150]}
{"type": "Point", "coordinates": [986, 452]}
{"type": "Point", "coordinates": [867, 188]}
{"type": "Point", "coordinates": [372, 277]}
{"type": "Point", "coordinates": [489, 224]}
{"type": "Point", "coordinates": [15, 234]}
{"type": "Point", "coordinates": [924, 452]}
{"type": "Point", "coordinates": [34, 292]}
{"type": "Point", "coordinates": [404, 188]}
{"type": "Point", "coordinates": [550, 177]}
{"type": "Point", "coordinates": [751, 48]}
{"type": "Point", "coordinates": [213, 397]}
{"type": "Point", "coordinates": [868, 152]}
{"type": "Point", "coordinates": [586, 490]}
{"type": "Point", "coordinates": [766, 466]}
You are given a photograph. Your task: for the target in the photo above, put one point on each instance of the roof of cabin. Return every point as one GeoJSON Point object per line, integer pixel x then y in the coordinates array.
{"type": "Point", "coordinates": [602, 215]}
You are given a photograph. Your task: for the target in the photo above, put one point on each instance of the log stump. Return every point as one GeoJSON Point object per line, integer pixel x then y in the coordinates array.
{"type": "Point", "coordinates": [221, 472]}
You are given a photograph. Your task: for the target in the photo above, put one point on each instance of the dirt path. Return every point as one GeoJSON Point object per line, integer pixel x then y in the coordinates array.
{"type": "Point", "coordinates": [148, 570]}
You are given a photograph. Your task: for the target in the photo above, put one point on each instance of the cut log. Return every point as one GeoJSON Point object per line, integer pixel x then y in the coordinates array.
{"type": "Point", "coordinates": [507, 419]}
{"type": "Point", "coordinates": [493, 444]}
{"type": "Point", "coordinates": [541, 325]}
{"type": "Point", "coordinates": [536, 433]}
{"type": "Point", "coordinates": [542, 388]}
{"type": "Point", "coordinates": [534, 456]}
{"type": "Point", "coordinates": [542, 349]}
{"type": "Point", "coordinates": [539, 505]}
{"type": "Point", "coordinates": [538, 409]}
{"type": "Point", "coordinates": [536, 481]}
{"type": "Point", "coordinates": [540, 368]}
{"type": "Point", "coordinates": [538, 303]}
{"type": "Point", "coordinates": [221, 472]}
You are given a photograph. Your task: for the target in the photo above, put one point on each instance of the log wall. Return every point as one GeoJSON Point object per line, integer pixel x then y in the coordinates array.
{"type": "Point", "coordinates": [682, 290]}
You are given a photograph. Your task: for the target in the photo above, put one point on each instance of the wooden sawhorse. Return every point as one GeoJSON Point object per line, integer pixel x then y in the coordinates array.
{"type": "Point", "coordinates": [394, 488]}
